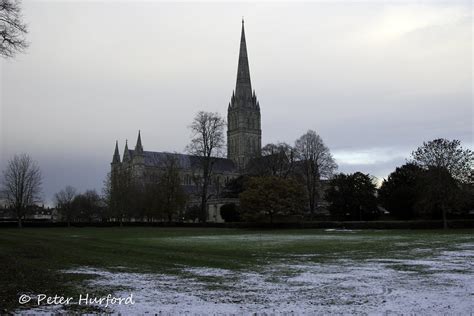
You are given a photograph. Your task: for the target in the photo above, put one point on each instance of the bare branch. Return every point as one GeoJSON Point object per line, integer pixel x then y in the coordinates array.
{"type": "Point", "coordinates": [12, 29]}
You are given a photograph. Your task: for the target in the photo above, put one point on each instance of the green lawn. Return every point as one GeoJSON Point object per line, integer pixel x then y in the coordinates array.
{"type": "Point", "coordinates": [31, 259]}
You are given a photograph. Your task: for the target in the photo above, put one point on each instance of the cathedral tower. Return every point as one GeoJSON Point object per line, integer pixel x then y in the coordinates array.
{"type": "Point", "coordinates": [244, 134]}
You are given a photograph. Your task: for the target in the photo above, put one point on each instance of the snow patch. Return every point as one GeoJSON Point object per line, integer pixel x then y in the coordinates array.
{"type": "Point", "coordinates": [212, 272]}
{"type": "Point", "coordinates": [440, 283]}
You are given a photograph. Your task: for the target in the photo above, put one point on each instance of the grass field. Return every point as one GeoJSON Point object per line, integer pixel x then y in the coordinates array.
{"type": "Point", "coordinates": [240, 271]}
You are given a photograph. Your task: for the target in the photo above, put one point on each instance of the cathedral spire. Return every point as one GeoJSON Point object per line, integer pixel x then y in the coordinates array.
{"type": "Point", "coordinates": [138, 146]}
{"type": "Point", "coordinates": [243, 88]}
{"type": "Point", "coordinates": [116, 158]}
{"type": "Point", "coordinates": [244, 133]}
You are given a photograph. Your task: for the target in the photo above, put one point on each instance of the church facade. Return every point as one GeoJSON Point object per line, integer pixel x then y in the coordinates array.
{"type": "Point", "coordinates": [244, 142]}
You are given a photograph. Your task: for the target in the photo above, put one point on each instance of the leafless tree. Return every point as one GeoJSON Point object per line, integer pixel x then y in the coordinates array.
{"type": "Point", "coordinates": [315, 163]}
{"type": "Point", "coordinates": [443, 153]}
{"type": "Point", "coordinates": [280, 159]}
{"type": "Point", "coordinates": [64, 199]}
{"type": "Point", "coordinates": [21, 186]}
{"type": "Point", "coordinates": [12, 29]}
{"type": "Point", "coordinates": [447, 165]}
{"type": "Point", "coordinates": [207, 143]}
{"type": "Point", "coordinates": [171, 195]}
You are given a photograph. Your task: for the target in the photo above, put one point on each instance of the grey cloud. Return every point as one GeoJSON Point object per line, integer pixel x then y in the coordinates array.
{"type": "Point", "coordinates": [363, 75]}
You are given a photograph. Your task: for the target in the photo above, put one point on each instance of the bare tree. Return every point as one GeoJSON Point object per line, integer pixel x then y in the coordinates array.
{"type": "Point", "coordinates": [88, 206]}
{"type": "Point", "coordinates": [279, 159]}
{"type": "Point", "coordinates": [315, 163]}
{"type": "Point", "coordinates": [443, 153]}
{"type": "Point", "coordinates": [12, 29]}
{"type": "Point", "coordinates": [171, 194]}
{"type": "Point", "coordinates": [447, 165]}
{"type": "Point", "coordinates": [207, 143]}
{"type": "Point", "coordinates": [21, 185]}
{"type": "Point", "coordinates": [64, 199]}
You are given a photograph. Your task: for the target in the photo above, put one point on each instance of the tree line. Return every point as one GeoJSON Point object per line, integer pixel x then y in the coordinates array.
{"type": "Point", "coordinates": [160, 198]}
{"type": "Point", "coordinates": [284, 183]}
{"type": "Point", "coordinates": [436, 182]}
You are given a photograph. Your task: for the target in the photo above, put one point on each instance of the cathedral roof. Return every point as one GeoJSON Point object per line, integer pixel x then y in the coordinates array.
{"type": "Point", "coordinates": [157, 159]}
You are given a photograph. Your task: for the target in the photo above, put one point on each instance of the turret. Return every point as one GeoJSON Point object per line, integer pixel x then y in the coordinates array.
{"type": "Point", "coordinates": [116, 157]}
{"type": "Point", "coordinates": [138, 160]}
{"type": "Point", "coordinates": [138, 146]}
{"type": "Point", "coordinates": [115, 164]}
{"type": "Point", "coordinates": [126, 154]}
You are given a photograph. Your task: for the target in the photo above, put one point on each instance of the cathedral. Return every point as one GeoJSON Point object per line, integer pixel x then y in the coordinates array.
{"type": "Point", "coordinates": [244, 142]}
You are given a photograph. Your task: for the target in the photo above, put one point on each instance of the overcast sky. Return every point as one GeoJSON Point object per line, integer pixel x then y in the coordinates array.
{"type": "Point", "coordinates": [375, 79]}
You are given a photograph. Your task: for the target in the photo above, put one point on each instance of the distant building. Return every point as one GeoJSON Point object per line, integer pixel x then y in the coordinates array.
{"type": "Point", "coordinates": [244, 142]}
{"type": "Point", "coordinates": [33, 213]}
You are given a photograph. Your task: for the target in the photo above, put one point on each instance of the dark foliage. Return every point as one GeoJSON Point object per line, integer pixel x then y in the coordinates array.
{"type": "Point", "coordinates": [87, 207]}
{"type": "Point", "coordinates": [230, 212]}
{"type": "Point", "coordinates": [192, 213]}
{"type": "Point", "coordinates": [267, 197]}
{"type": "Point", "coordinates": [399, 192]}
{"type": "Point", "coordinates": [439, 194]}
{"type": "Point", "coordinates": [352, 197]}
{"type": "Point", "coordinates": [234, 187]}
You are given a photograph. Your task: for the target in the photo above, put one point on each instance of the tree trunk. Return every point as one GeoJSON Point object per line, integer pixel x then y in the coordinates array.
{"type": "Point", "coordinates": [203, 209]}
{"type": "Point", "coordinates": [203, 214]}
{"type": "Point", "coordinates": [445, 221]}
{"type": "Point", "coordinates": [19, 222]}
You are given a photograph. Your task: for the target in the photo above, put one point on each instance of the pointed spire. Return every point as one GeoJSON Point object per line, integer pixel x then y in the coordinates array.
{"type": "Point", "coordinates": [243, 89]}
{"type": "Point", "coordinates": [126, 152]}
{"type": "Point", "coordinates": [138, 146]}
{"type": "Point", "coordinates": [116, 158]}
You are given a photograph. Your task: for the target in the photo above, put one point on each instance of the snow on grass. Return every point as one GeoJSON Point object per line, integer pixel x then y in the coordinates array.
{"type": "Point", "coordinates": [384, 285]}
{"type": "Point", "coordinates": [269, 239]}
{"type": "Point", "coordinates": [427, 279]}
{"type": "Point", "coordinates": [213, 272]}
